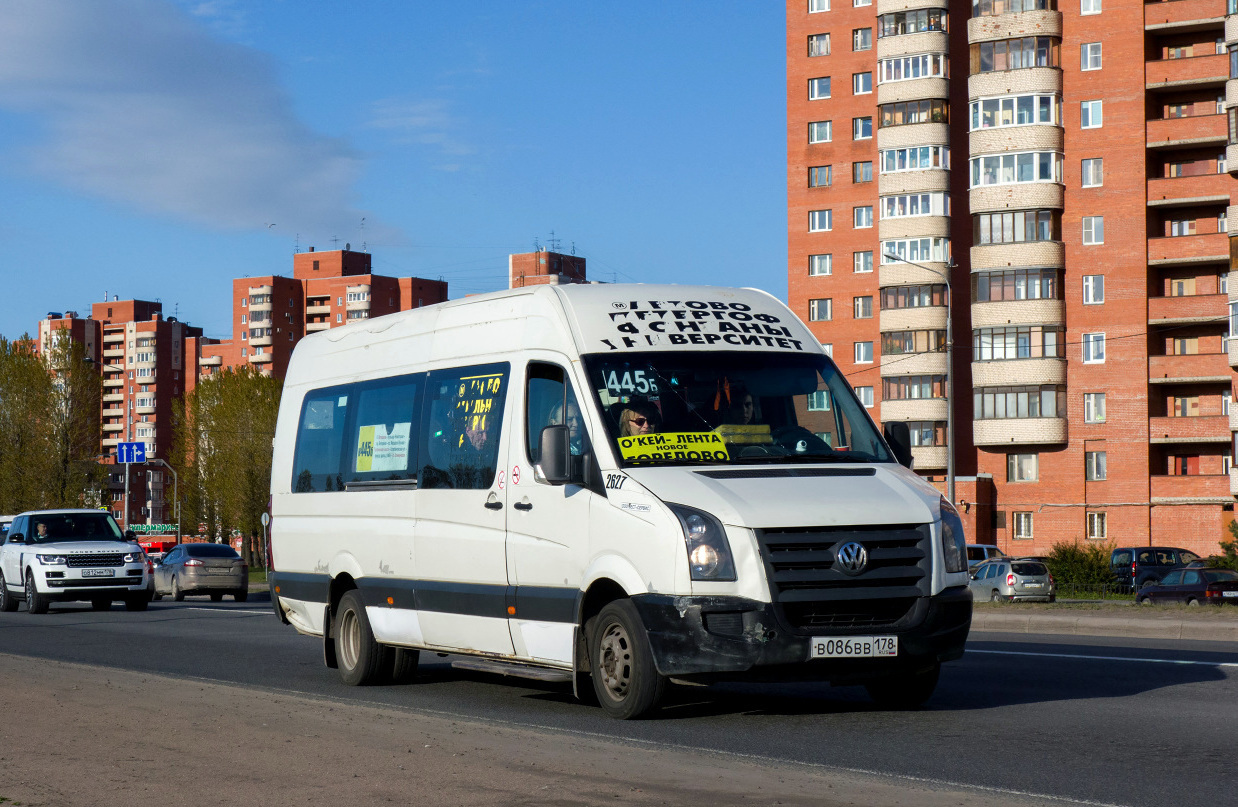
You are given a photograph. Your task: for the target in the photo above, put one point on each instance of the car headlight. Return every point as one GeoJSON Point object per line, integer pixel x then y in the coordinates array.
{"type": "Point", "coordinates": [709, 554]}
{"type": "Point", "coordinates": [953, 541]}
{"type": "Point", "coordinates": [134, 557]}
{"type": "Point", "coordinates": [52, 560]}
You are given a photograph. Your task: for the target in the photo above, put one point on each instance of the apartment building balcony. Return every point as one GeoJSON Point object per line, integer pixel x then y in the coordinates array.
{"type": "Point", "coordinates": [1008, 26]}
{"type": "Point", "coordinates": [1231, 229]}
{"type": "Point", "coordinates": [1205, 248]}
{"type": "Point", "coordinates": [210, 361]}
{"type": "Point", "coordinates": [914, 227]}
{"type": "Point", "coordinates": [913, 319]}
{"type": "Point", "coordinates": [108, 442]}
{"type": "Point", "coordinates": [1233, 481]}
{"type": "Point", "coordinates": [1213, 429]}
{"type": "Point", "coordinates": [1006, 256]}
{"type": "Point", "coordinates": [1016, 196]}
{"type": "Point", "coordinates": [1182, 15]}
{"type": "Point", "coordinates": [113, 382]}
{"type": "Point", "coordinates": [260, 341]}
{"type": "Point", "coordinates": [902, 274]}
{"type": "Point", "coordinates": [1018, 431]}
{"type": "Point", "coordinates": [913, 134]}
{"type": "Point", "coordinates": [114, 336]}
{"type": "Point", "coordinates": [1018, 372]}
{"type": "Point", "coordinates": [914, 364]}
{"type": "Point", "coordinates": [1231, 28]}
{"type": "Point", "coordinates": [264, 306]}
{"type": "Point", "coordinates": [113, 397]}
{"type": "Point", "coordinates": [1201, 368]}
{"type": "Point", "coordinates": [1189, 132]}
{"type": "Point", "coordinates": [1017, 312]}
{"type": "Point", "coordinates": [1033, 137]}
{"type": "Point", "coordinates": [907, 44]}
{"type": "Point", "coordinates": [1007, 82]}
{"type": "Point", "coordinates": [311, 327]}
{"type": "Point", "coordinates": [261, 358]}
{"type": "Point", "coordinates": [1196, 72]}
{"type": "Point", "coordinates": [1232, 353]}
{"type": "Point", "coordinates": [1231, 88]}
{"type": "Point", "coordinates": [1231, 155]}
{"type": "Point", "coordinates": [114, 353]}
{"type": "Point", "coordinates": [113, 427]}
{"type": "Point", "coordinates": [357, 305]}
{"type": "Point", "coordinates": [929, 458]}
{"type": "Point", "coordinates": [1194, 488]}
{"type": "Point", "coordinates": [144, 410]}
{"type": "Point", "coordinates": [113, 412]}
{"type": "Point", "coordinates": [1201, 308]}
{"type": "Point", "coordinates": [317, 310]}
{"type": "Point", "coordinates": [910, 89]}
{"type": "Point", "coordinates": [1189, 191]}
{"type": "Point", "coordinates": [926, 181]}
{"type": "Point", "coordinates": [891, 6]}
{"type": "Point", "coordinates": [916, 409]}
{"type": "Point", "coordinates": [1233, 419]}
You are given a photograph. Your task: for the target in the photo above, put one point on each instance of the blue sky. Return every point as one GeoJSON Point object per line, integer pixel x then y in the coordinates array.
{"type": "Point", "coordinates": [158, 148]}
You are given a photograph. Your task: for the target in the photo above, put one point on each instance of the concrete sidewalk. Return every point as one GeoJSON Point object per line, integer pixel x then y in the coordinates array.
{"type": "Point", "coordinates": [1131, 621]}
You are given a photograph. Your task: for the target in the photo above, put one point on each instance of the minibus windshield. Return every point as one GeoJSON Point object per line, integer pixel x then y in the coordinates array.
{"type": "Point", "coordinates": [688, 407]}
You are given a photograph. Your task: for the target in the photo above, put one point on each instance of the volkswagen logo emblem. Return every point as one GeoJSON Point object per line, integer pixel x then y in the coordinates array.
{"type": "Point", "coordinates": [852, 557]}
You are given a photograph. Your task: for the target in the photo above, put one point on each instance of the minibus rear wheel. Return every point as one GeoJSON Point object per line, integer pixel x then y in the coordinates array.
{"type": "Point", "coordinates": [363, 661]}
{"type": "Point", "coordinates": [624, 677]}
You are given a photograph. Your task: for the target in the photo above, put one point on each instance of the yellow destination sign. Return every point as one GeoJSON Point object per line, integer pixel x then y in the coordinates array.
{"type": "Point", "coordinates": [692, 446]}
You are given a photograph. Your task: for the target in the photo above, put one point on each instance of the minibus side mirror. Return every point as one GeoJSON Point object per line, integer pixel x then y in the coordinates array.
{"type": "Point", "coordinates": [898, 435]}
{"type": "Point", "coordinates": [554, 449]}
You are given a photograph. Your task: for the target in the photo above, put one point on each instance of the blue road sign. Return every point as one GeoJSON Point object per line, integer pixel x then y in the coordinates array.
{"type": "Point", "coordinates": [131, 452]}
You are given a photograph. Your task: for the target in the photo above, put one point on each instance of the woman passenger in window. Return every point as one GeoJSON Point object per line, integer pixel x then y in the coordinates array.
{"type": "Point", "coordinates": [638, 417]}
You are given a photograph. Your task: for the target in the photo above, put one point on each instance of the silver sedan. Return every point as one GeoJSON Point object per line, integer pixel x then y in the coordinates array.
{"type": "Point", "coordinates": [214, 569]}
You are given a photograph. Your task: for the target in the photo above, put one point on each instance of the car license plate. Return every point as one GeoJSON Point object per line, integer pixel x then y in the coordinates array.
{"type": "Point", "coordinates": [1229, 593]}
{"type": "Point", "coordinates": [853, 646]}
{"type": "Point", "coordinates": [1032, 585]}
{"type": "Point", "coordinates": [98, 572]}
{"type": "Point", "coordinates": [218, 571]}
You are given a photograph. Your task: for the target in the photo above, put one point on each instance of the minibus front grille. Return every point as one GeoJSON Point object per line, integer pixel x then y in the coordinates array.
{"type": "Point", "coordinates": [812, 592]}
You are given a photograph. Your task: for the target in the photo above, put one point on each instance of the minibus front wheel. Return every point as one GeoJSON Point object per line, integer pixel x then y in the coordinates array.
{"type": "Point", "coordinates": [625, 679]}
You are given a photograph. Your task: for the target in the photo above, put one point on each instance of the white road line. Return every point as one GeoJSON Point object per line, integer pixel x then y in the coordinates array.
{"type": "Point", "coordinates": [224, 610]}
{"type": "Point", "coordinates": [1105, 658]}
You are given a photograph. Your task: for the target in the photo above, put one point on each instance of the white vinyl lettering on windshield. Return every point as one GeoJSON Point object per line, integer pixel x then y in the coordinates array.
{"type": "Point", "coordinates": [696, 322]}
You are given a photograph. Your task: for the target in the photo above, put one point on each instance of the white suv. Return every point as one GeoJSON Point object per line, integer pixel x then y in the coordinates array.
{"type": "Point", "coordinates": [64, 555]}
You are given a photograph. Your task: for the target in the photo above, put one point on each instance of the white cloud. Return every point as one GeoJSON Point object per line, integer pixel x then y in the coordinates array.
{"type": "Point", "coordinates": [140, 105]}
{"type": "Point", "coordinates": [427, 123]}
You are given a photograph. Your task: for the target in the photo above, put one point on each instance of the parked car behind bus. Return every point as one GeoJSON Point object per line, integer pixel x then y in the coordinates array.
{"type": "Point", "coordinates": [1192, 585]}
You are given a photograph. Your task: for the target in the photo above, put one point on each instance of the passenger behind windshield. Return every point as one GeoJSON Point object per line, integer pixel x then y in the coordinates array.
{"type": "Point", "coordinates": [74, 527]}
{"type": "Point", "coordinates": [731, 407]}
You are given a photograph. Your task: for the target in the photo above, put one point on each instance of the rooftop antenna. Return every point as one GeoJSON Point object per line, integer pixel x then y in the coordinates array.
{"type": "Point", "coordinates": [537, 247]}
{"type": "Point", "coordinates": [573, 248]}
{"type": "Point", "coordinates": [553, 242]}
{"type": "Point", "coordinates": [363, 233]}
{"type": "Point", "coordinates": [297, 247]}
{"type": "Point", "coordinates": [335, 241]}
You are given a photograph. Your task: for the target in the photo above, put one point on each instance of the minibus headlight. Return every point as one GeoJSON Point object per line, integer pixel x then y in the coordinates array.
{"type": "Point", "coordinates": [709, 554]}
{"type": "Point", "coordinates": [953, 541]}
{"type": "Point", "coordinates": [52, 560]}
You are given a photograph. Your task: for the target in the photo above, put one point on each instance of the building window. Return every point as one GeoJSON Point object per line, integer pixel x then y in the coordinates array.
{"type": "Point", "coordinates": [1089, 56]}
{"type": "Point", "coordinates": [863, 352]}
{"type": "Point", "coordinates": [861, 83]}
{"type": "Point", "coordinates": [1185, 406]}
{"type": "Point", "coordinates": [862, 38]}
{"type": "Point", "coordinates": [1094, 462]}
{"type": "Point", "coordinates": [1093, 172]}
{"type": "Point", "coordinates": [828, 348]}
{"type": "Point", "coordinates": [821, 131]}
{"type": "Point", "coordinates": [1014, 54]}
{"type": "Point", "coordinates": [858, 3]}
{"type": "Point", "coordinates": [1096, 527]}
{"type": "Point", "coordinates": [1093, 289]}
{"type": "Point", "coordinates": [911, 22]}
{"type": "Point", "coordinates": [820, 176]}
{"type": "Point", "coordinates": [862, 172]}
{"type": "Point", "coordinates": [1001, 403]}
{"type": "Point", "coordinates": [927, 432]}
{"type": "Point", "coordinates": [1012, 168]}
{"type": "Point", "coordinates": [906, 68]}
{"type": "Point", "coordinates": [1093, 230]}
{"type": "Point", "coordinates": [820, 265]}
{"type": "Point", "coordinates": [1093, 348]}
{"type": "Point", "coordinates": [821, 310]}
{"type": "Point", "coordinates": [908, 205]}
{"type": "Point", "coordinates": [339, 317]}
{"type": "Point", "coordinates": [819, 45]}
{"type": "Point", "coordinates": [817, 6]}
{"type": "Point", "coordinates": [894, 298]}
{"type": "Point", "coordinates": [1184, 346]}
{"type": "Point", "coordinates": [927, 110]}
{"type": "Point", "coordinates": [863, 261]}
{"type": "Point", "coordinates": [936, 250]}
{"type": "Point", "coordinates": [242, 319]}
{"type": "Point", "coordinates": [818, 88]}
{"type": "Point", "coordinates": [865, 394]}
{"type": "Point", "coordinates": [994, 8]}
{"type": "Point", "coordinates": [820, 221]}
{"type": "Point", "coordinates": [1089, 7]}
{"type": "Point", "coordinates": [861, 128]}
{"type": "Point", "coordinates": [863, 307]}
{"type": "Point", "coordinates": [1015, 110]}
{"type": "Point", "coordinates": [863, 217]}
{"type": "Point", "coordinates": [1091, 114]}
{"type": "Point", "coordinates": [1022, 525]}
{"type": "Point", "coordinates": [1016, 227]}
{"type": "Point", "coordinates": [1022, 467]}
{"type": "Point", "coordinates": [913, 387]}
{"type": "Point", "coordinates": [1017, 342]}
{"type": "Point", "coordinates": [914, 158]}
{"type": "Point", "coordinates": [819, 401]}
{"type": "Point", "coordinates": [1181, 227]}
{"type": "Point", "coordinates": [1093, 407]}
{"type": "Point", "coordinates": [902, 343]}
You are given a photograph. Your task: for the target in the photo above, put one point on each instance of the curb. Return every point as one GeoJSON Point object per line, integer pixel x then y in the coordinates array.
{"type": "Point", "coordinates": [1166, 627]}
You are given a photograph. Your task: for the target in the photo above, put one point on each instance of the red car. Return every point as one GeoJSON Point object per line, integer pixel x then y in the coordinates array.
{"type": "Point", "coordinates": [1193, 586]}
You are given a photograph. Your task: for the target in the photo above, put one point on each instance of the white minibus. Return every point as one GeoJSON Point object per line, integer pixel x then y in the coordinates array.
{"type": "Point", "coordinates": [614, 485]}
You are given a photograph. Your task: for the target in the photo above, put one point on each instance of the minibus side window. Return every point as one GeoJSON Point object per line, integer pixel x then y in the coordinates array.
{"type": "Point", "coordinates": [382, 445]}
{"type": "Point", "coordinates": [320, 435]}
{"type": "Point", "coordinates": [464, 420]}
{"type": "Point", "coordinates": [547, 397]}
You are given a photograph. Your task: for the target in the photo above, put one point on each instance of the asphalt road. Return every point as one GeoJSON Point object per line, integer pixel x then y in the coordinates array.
{"type": "Point", "coordinates": [1096, 720]}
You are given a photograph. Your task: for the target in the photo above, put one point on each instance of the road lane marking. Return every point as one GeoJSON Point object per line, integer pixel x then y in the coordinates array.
{"type": "Point", "coordinates": [1105, 658]}
{"type": "Point", "coordinates": [224, 610]}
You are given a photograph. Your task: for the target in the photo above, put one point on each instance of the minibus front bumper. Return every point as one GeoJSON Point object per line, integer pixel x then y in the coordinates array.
{"type": "Point", "coordinates": [735, 638]}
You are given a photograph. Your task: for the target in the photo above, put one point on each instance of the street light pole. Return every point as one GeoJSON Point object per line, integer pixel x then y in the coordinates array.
{"type": "Point", "coordinates": [950, 446]}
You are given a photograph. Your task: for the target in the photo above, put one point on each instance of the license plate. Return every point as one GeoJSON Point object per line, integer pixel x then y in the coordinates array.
{"type": "Point", "coordinates": [1229, 593]}
{"type": "Point", "coordinates": [219, 571]}
{"type": "Point", "coordinates": [853, 647]}
{"type": "Point", "coordinates": [98, 572]}
{"type": "Point", "coordinates": [1032, 585]}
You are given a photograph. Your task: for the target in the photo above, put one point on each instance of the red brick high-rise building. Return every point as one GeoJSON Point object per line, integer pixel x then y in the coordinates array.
{"type": "Point", "coordinates": [1047, 184]}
